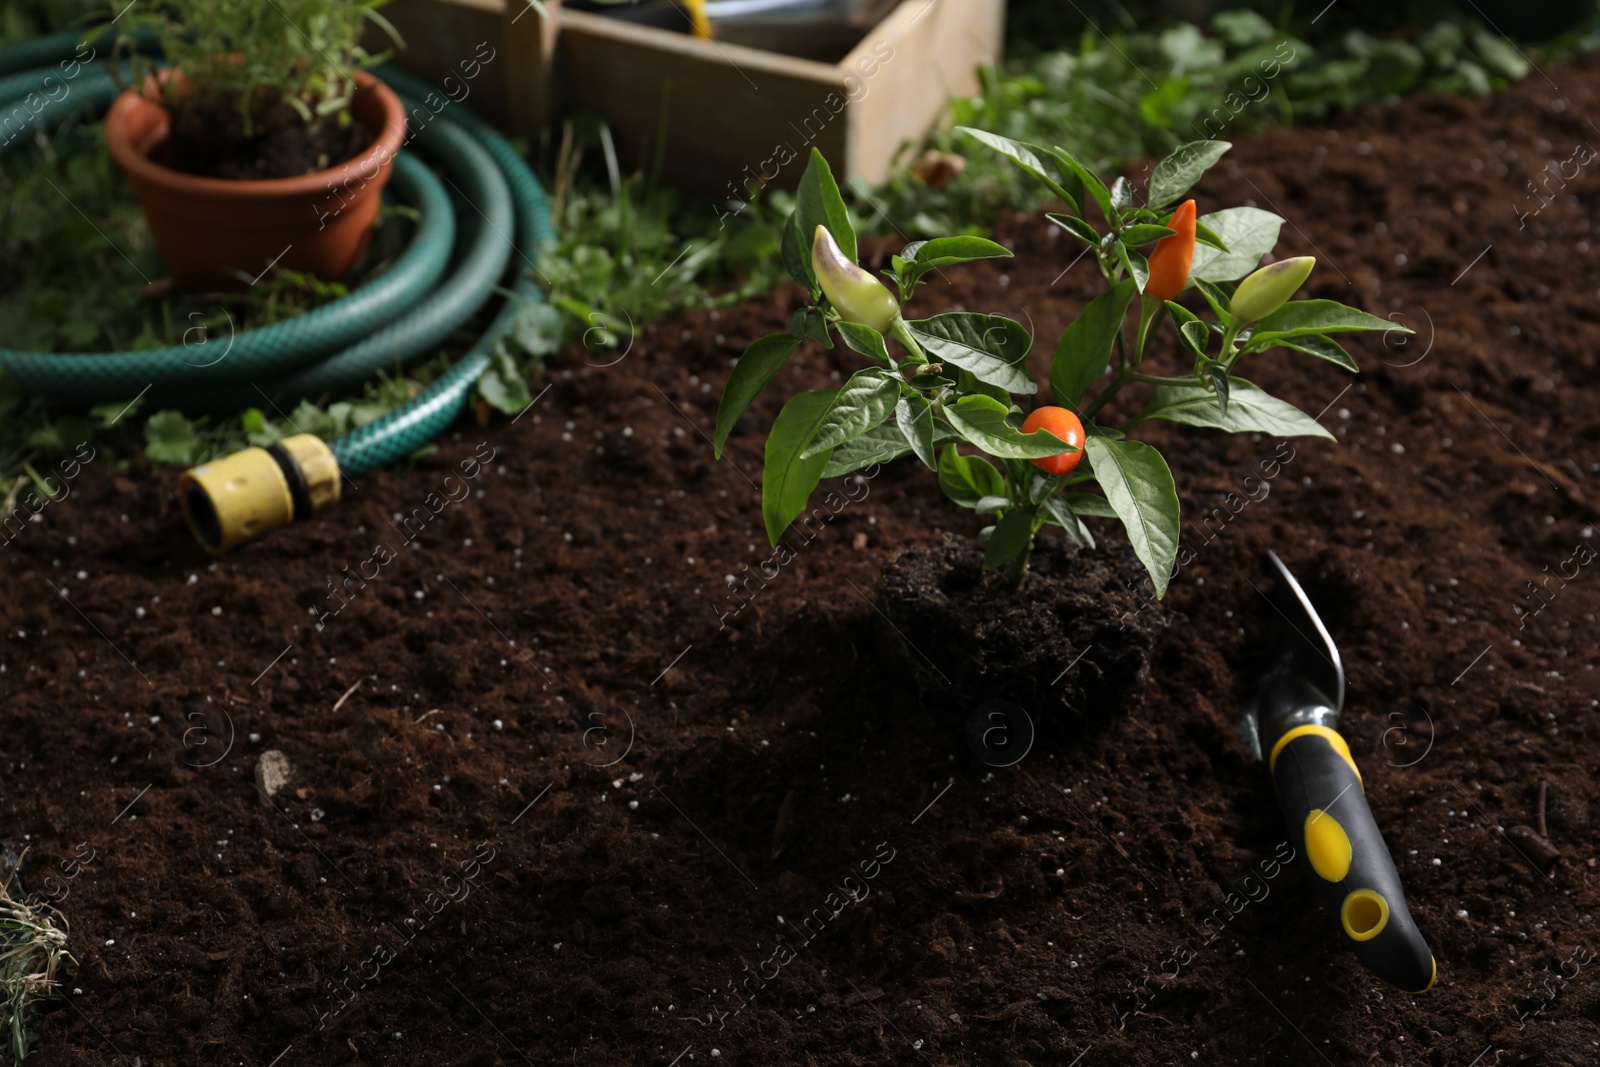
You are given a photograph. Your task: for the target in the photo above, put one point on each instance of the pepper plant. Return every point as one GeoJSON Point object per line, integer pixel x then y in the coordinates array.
{"type": "Point", "coordinates": [945, 391]}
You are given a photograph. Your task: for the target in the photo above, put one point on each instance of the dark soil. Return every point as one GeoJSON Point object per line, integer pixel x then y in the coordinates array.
{"type": "Point", "coordinates": [554, 802]}
{"type": "Point", "coordinates": [209, 138]}
{"type": "Point", "coordinates": [1073, 644]}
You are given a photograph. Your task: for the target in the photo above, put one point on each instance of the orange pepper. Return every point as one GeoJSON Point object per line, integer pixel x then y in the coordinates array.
{"type": "Point", "coordinates": [1172, 256]}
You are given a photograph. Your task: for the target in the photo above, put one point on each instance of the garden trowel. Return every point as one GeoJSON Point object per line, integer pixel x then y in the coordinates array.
{"type": "Point", "coordinates": [1292, 723]}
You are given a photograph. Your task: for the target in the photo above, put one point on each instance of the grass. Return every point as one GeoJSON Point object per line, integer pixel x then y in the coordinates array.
{"type": "Point", "coordinates": [628, 251]}
{"type": "Point", "coordinates": [33, 951]}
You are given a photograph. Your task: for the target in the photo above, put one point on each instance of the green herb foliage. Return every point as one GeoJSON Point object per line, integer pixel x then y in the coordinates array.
{"type": "Point", "coordinates": [302, 53]}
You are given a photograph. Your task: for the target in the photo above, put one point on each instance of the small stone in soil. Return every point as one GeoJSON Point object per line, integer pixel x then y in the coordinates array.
{"type": "Point", "coordinates": [273, 771]}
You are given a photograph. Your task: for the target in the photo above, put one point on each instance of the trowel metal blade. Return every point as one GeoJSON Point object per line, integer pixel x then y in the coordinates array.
{"type": "Point", "coordinates": [1306, 666]}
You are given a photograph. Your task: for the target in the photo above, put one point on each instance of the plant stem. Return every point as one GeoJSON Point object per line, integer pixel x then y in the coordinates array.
{"type": "Point", "coordinates": [1227, 344]}
{"type": "Point", "coordinates": [1156, 379]}
{"type": "Point", "coordinates": [1105, 395]}
{"type": "Point", "coordinates": [1017, 570]}
{"type": "Point", "coordinates": [1129, 375]}
{"type": "Point", "coordinates": [902, 333]}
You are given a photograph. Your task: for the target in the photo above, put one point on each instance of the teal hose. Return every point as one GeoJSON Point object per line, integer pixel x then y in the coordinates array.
{"type": "Point", "coordinates": [402, 431]}
{"type": "Point", "coordinates": [44, 51]}
{"type": "Point", "coordinates": [404, 312]}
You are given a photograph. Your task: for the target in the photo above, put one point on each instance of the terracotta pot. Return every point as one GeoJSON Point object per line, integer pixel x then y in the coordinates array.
{"type": "Point", "coordinates": [208, 228]}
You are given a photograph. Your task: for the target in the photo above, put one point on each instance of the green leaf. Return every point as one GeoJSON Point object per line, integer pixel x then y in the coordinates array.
{"type": "Point", "coordinates": [788, 478]}
{"type": "Point", "coordinates": [538, 329]}
{"type": "Point", "coordinates": [1057, 512]}
{"type": "Point", "coordinates": [1135, 236]}
{"type": "Point", "coordinates": [864, 339]}
{"type": "Point", "coordinates": [949, 251]}
{"type": "Point", "coordinates": [863, 402]}
{"type": "Point", "coordinates": [992, 347]}
{"type": "Point", "coordinates": [1139, 488]}
{"type": "Point", "coordinates": [1217, 296]}
{"type": "Point", "coordinates": [1085, 349]}
{"type": "Point", "coordinates": [878, 445]}
{"type": "Point", "coordinates": [914, 417]}
{"type": "Point", "coordinates": [169, 437]}
{"type": "Point", "coordinates": [762, 360]}
{"type": "Point", "coordinates": [1040, 484]}
{"type": "Point", "coordinates": [1075, 226]}
{"type": "Point", "coordinates": [990, 504]}
{"type": "Point", "coordinates": [501, 384]}
{"type": "Point", "coordinates": [1301, 317]}
{"type": "Point", "coordinates": [108, 415]}
{"type": "Point", "coordinates": [1250, 409]}
{"type": "Point", "coordinates": [981, 421]}
{"type": "Point", "coordinates": [1499, 54]}
{"type": "Point", "coordinates": [1322, 347]}
{"type": "Point", "coordinates": [1220, 383]}
{"type": "Point", "coordinates": [810, 324]}
{"type": "Point", "coordinates": [968, 479]}
{"type": "Point", "coordinates": [1191, 331]}
{"type": "Point", "coordinates": [1249, 233]}
{"type": "Point", "coordinates": [1121, 194]}
{"type": "Point", "coordinates": [258, 429]}
{"type": "Point", "coordinates": [1036, 161]}
{"type": "Point", "coordinates": [1207, 236]}
{"type": "Point", "coordinates": [1087, 179]}
{"type": "Point", "coordinates": [1137, 266]}
{"type": "Point", "coordinates": [967, 383]}
{"type": "Point", "coordinates": [1242, 28]}
{"type": "Point", "coordinates": [1177, 174]}
{"type": "Point", "coordinates": [1012, 537]}
{"type": "Point", "coordinates": [797, 255]}
{"type": "Point", "coordinates": [1089, 504]}
{"type": "Point", "coordinates": [817, 202]}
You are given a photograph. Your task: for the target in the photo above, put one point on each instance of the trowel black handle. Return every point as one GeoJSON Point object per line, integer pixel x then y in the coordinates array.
{"type": "Point", "coordinates": [1325, 807]}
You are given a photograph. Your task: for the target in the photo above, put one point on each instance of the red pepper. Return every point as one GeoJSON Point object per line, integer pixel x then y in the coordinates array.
{"type": "Point", "coordinates": [1172, 256]}
{"type": "Point", "coordinates": [1065, 425]}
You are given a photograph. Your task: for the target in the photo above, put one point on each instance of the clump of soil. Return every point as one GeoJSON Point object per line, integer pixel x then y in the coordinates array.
{"type": "Point", "coordinates": [209, 138]}
{"type": "Point", "coordinates": [1076, 639]}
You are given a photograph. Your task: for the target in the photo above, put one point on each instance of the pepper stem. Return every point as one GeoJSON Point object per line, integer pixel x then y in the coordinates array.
{"type": "Point", "coordinates": [902, 333]}
{"type": "Point", "coordinates": [1017, 570]}
{"type": "Point", "coordinates": [1227, 354]}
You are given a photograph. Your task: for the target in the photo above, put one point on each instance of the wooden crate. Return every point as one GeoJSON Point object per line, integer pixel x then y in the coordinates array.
{"type": "Point", "coordinates": [736, 118]}
{"type": "Point", "coordinates": [440, 36]}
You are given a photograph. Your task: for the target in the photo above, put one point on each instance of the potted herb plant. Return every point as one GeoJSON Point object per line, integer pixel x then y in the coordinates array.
{"type": "Point", "coordinates": [263, 141]}
{"type": "Point", "coordinates": [944, 389]}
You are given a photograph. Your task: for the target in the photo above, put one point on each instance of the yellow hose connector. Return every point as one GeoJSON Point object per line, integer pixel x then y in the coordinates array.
{"type": "Point", "coordinates": [239, 498]}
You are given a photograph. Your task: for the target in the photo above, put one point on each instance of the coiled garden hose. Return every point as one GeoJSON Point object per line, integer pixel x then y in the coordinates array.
{"type": "Point", "coordinates": [53, 48]}
{"type": "Point", "coordinates": [402, 313]}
